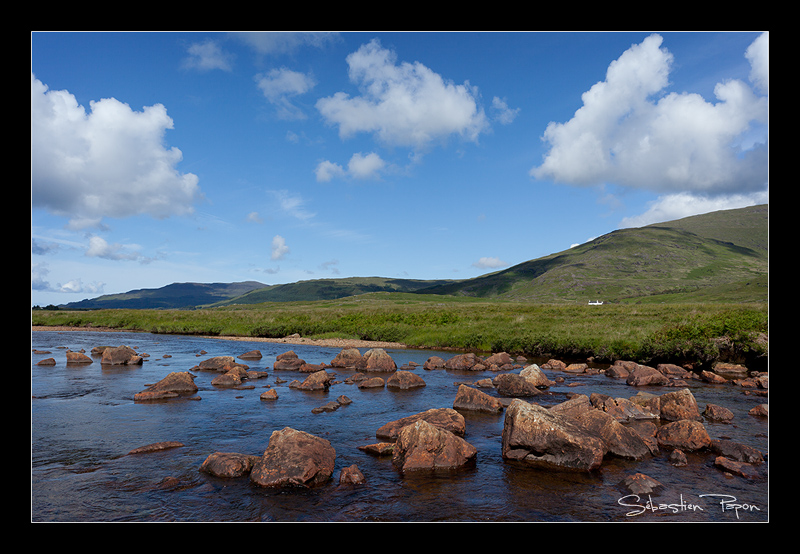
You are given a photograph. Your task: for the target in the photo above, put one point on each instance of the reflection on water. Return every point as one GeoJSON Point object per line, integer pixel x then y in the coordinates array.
{"type": "Point", "coordinates": [84, 422]}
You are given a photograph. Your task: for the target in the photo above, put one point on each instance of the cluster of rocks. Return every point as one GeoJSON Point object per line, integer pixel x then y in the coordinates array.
{"type": "Point", "coordinates": [575, 435]}
{"type": "Point", "coordinates": [109, 355]}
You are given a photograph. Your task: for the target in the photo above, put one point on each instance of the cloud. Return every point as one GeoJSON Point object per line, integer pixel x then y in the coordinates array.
{"type": "Point", "coordinates": [678, 206]}
{"type": "Point", "coordinates": [207, 56]}
{"type": "Point", "coordinates": [109, 162]}
{"type": "Point", "coordinates": [403, 104]}
{"type": "Point", "coordinates": [360, 166]}
{"type": "Point", "coordinates": [330, 266]}
{"type": "Point", "coordinates": [292, 205]}
{"type": "Point", "coordinates": [76, 285]}
{"type": "Point", "coordinates": [629, 133]}
{"type": "Point", "coordinates": [279, 248]}
{"type": "Point", "coordinates": [502, 112]}
{"type": "Point", "coordinates": [279, 86]}
{"type": "Point", "coordinates": [39, 282]}
{"type": "Point", "coordinates": [282, 42]}
{"type": "Point", "coordinates": [758, 56]}
{"type": "Point", "coordinates": [100, 248]}
{"type": "Point", "coordinates": [489, 263]}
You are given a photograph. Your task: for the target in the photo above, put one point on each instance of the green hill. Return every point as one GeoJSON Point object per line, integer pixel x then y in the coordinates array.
{"type": "Point", "coordinates": [176, 295]}
{"type": "Point", "coordinates": [718, 257]}
{"type": "Point", "coordinates": [328, 289]}
{"type": "Point", "coordinates": [722, 256]}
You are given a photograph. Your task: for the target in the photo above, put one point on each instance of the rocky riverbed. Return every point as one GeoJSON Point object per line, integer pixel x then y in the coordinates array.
{"type": "Point", "coordinates": [547, 420]}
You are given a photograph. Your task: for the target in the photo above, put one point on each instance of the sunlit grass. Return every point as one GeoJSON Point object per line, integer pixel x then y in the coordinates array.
{"type": "Point", "coordinates": [612, 331]}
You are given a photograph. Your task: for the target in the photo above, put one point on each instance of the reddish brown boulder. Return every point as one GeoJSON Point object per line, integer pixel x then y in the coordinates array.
{"type": "Point", "coordinates": [376, 359]}
{"type": "Point", "coordinates": [741, 469]}
{"type": "Point", "coordinates": [713, 378]}
{"type": "Point", "coordinates": [371, 383]}
{"type": "Point", "coordinates": [378, 449]}
{"type": "Point", "coordinates": [556, 365]}
{"type": "Point", "coordinates": [626, 410]}
{"type": "Point", "coordinates": [730, 370]}
{"type": "Point", "coordinates": [617, 371]}
{"type": "Point", "coordinates": [294, 459]}
{"type": "Point", "coordinates": [737, 451]}
{"type": "Point", "coordinates": [251, 355]}
{"type": "Point", "coordinates": [679, 404]}
{"type": "Point", "coordinates": [176, 384]}
{"type": "Point", "coordinates": [319, 380]}
{"type": "Point", "coordinates": [514, 385]}
{"type": "Point", "coordinates": [351, 475]}
{"type": "Point", "coordinates": [462, 362]}
{"type": "Point", "coordinates": [434, 362]}
{"type": "Point", "coordinates": [537, 437]}
{"type": "Point", "coordinates": [619, 440]}
{"type": "Point", "coordinates": [674, 371]}
{"type": "Point", "coordinates": [643, 376]}
{"type": "Point", "coordinates": [228, 464]}
{"type": "Point", "coordinates": [639, 483]}
{"type": "Point", "coordinates": [47, 361]}
{"type": "Point", "coordinates": [684, 434]}
{"type": "Point", "coordinates": [536, 377]}
{"type": "Point", "coordinates": [762, 410]}
{"type": "Point", "coordinates": [311, 368]}
{"type": "Point", "coordinates": [217, 363]}
{"type": "Point", "coordinates": [500, 359]}
{"type": "Point", "coordinates": [423, 446]}
{"type": "Point", "coordinates": [445, 418]}
{"type": "Point", "coordinates": [77, 358]}
{"type": "Point", "coordinates": [156, 447]}
{"type": "Point", "coordinates": [471, 399]}
{"type": "Point", "coordinates": [271, 394]}
{"type": "Point", "coordinates": [347, 358]}
{"type": "Point", "coordinates": [227, 380]}
{"type": "Point", "coordinates": [288, 361]}
{"type": "Point", "coordinates": [714, 412]}
{"type": "Point", "coordinates": [405, 380]}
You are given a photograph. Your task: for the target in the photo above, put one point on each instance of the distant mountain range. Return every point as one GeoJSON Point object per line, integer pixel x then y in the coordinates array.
{"type": "Point", "coordinates": [717, 257]}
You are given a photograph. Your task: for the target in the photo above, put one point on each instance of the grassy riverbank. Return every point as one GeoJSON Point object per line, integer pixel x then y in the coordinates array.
{"type": "Point", "coordinates": [646, 333]}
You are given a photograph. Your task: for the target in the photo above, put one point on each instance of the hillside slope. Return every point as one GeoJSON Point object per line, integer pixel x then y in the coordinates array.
{"type": "Point", "coordinates": [328, 289]}
{"type": "Point", "coordinates": [722, 256]}
{"type": "Point", "coordinates": [176, 295]}
{"type": "Point", "coordinates": [718, 257]}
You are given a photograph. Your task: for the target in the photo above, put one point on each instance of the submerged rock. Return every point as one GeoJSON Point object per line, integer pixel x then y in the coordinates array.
{"type": "Point", "coordinates": [229, 464]}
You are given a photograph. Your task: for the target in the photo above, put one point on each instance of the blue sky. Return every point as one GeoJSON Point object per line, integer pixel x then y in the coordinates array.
{"type": "Point", "coordinates": [278, 157]}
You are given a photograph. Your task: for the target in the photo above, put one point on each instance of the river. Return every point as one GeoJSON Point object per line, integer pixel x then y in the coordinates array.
{"type": "Point", "coordinates": [84, 422]}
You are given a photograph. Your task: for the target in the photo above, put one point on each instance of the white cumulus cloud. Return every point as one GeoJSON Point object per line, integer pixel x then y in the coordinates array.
{"type": "Point", "coordinates": [361, 166]}
{"type": "Point", "coordinates": [108, 162]}
{"type": "Point", "coordinates": [280, 86]}
{"type": "Point", "coordinates": [279, 248]}
{"type": "Point", "coordinates": [405, 104]}
{"type": "Point", "coordinates": [630, 133]}
{"type": "Point", "coordinates": [489, 263]}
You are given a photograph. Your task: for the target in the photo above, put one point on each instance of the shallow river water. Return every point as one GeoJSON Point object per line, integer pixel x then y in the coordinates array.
{"type": "Point", "coordinates": [84, 422]}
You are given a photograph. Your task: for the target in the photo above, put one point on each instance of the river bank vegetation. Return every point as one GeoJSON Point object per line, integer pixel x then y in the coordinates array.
{"type": "Point", "coordinates": [679, 333]}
